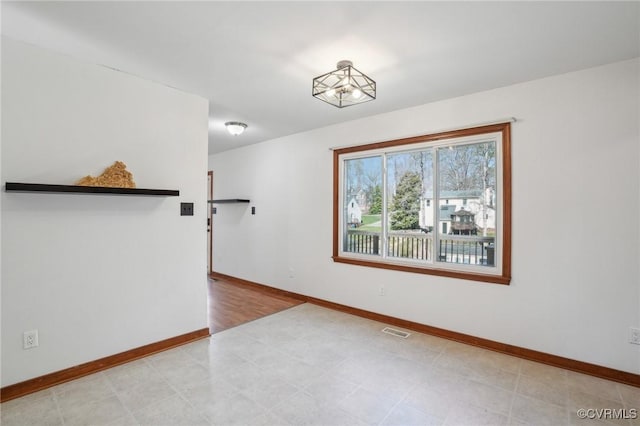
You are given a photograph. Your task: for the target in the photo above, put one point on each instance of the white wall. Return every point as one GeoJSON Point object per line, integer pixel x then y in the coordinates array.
{"type": "Point", "coordinates": [97, 274]}
{"type": "Point", "coordinates": [575, 287]}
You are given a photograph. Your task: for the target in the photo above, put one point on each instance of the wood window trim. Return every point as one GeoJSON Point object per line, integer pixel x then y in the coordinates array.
{"type": "Point", "coordinates": [505, 275]}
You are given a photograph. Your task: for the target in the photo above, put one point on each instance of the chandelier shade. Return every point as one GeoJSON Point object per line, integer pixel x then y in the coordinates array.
{"type": "Point", "coordinates": [344, 86]}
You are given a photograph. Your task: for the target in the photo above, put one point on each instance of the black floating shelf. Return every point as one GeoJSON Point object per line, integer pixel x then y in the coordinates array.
{"type": "Point", "coordinates": [41, 187]}
{"type": "Point", "coordinates": [228, 201]}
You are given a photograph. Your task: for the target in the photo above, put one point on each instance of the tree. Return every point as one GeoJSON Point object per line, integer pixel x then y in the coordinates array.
{"type": "Point", "coordinates": [467, 167]}
{"type": "Point", "coordinates": [355, 175]}
{"type": "Point", "coordinates": [486, 153]}
{"type": "Point", "coordinates": [376, 200]}
{"type": "Point", "coordinates": [405, 207]}
{"type": "Point", "coordinates": [457, 166]}
{"type": "Point", "coordinates": [373, 191]}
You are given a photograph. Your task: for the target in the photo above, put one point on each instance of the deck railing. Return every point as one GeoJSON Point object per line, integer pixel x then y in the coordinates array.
{"type": "Point", "coordinates": [364, 242]}
{"type": "Point", "coordinates": [409, 245]}
{"type": "Point", "coordinates": [474, 250]}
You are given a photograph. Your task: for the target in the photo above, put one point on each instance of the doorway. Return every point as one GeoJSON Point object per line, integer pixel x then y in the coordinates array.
{"type": "Point", "coordinates": [209, 222]}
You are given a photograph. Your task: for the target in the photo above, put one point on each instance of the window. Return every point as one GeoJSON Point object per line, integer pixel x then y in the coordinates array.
{"type": "Point", "coordinates": [436, 204]}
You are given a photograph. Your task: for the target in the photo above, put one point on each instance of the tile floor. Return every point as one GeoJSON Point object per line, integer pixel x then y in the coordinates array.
{"type": "Point", "coordinates": [313, 366]}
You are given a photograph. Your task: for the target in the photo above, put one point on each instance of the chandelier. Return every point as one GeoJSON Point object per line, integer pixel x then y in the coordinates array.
{"type": "Point", "coordinates": [344, 86]}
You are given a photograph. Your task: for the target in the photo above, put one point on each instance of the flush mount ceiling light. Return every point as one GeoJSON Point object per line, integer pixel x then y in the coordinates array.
{"type": "Point", "coordinates": [235, 127]}
{"type": "Point", "coordinates": [344, 87]}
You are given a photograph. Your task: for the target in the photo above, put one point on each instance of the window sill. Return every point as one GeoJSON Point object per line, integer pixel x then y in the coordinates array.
{"type": "Point", "coordinates": [493, 279]}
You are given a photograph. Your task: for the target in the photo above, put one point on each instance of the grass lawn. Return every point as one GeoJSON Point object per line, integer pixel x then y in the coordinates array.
{"type": "Point", "coordinates": [371, 223]}
{"type": "Point", "coordinates": [368, 219]}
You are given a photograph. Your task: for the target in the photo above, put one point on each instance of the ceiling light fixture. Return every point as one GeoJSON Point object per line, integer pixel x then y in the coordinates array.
{"type": "Point", "coordinates": [344, 86]}
{"type": "Point", "coordinates": [235, 127]}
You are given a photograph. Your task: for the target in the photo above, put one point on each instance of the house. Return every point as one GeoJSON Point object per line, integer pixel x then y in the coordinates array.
{"type": "Point", "coordinates": [354, 213]}
{"type": "Point", "coordinates": [99, 275]}
{"type": "Point", "coordinates": [482, 207]}
{"type": "Point", "coordinates": [463, 223]}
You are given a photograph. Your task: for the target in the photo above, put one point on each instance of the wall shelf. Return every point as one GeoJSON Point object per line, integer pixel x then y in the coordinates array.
{"type": "Point", "coordinates": [228, 201]}
{"type": "Point", "coordinates": [41, 187]}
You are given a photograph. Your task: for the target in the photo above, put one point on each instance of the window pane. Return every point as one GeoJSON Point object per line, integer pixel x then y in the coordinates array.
{"type": "Point", "coordinates": [467, 207]}
{"type": "Point", "coordinates": [362, 205]}
{"type": "Point", "coordinates": [409, 217]}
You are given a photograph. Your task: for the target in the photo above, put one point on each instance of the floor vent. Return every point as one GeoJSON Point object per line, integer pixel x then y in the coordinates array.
{"type": "Point", "coordinates": [397, 333]}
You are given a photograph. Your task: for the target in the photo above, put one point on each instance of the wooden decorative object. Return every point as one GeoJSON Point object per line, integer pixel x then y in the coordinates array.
{"type": "Point", "coordinates": [115, 176]}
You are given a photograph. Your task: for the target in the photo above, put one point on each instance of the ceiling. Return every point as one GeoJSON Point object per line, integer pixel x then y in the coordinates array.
{"type": "Point", "coordinates": [254, 61]}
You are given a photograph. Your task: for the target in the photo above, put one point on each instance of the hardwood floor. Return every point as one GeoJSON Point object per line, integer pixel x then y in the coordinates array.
{"type": "Point", "coordinates": [232, 304]}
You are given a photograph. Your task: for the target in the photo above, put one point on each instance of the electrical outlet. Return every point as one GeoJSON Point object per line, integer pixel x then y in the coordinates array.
{"type": "Point", "coordinates": [634, 335]}
{"type": "Point", "coordinates": [30, 339]}
{"type": "Point", "coordinates": [381, 290]}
